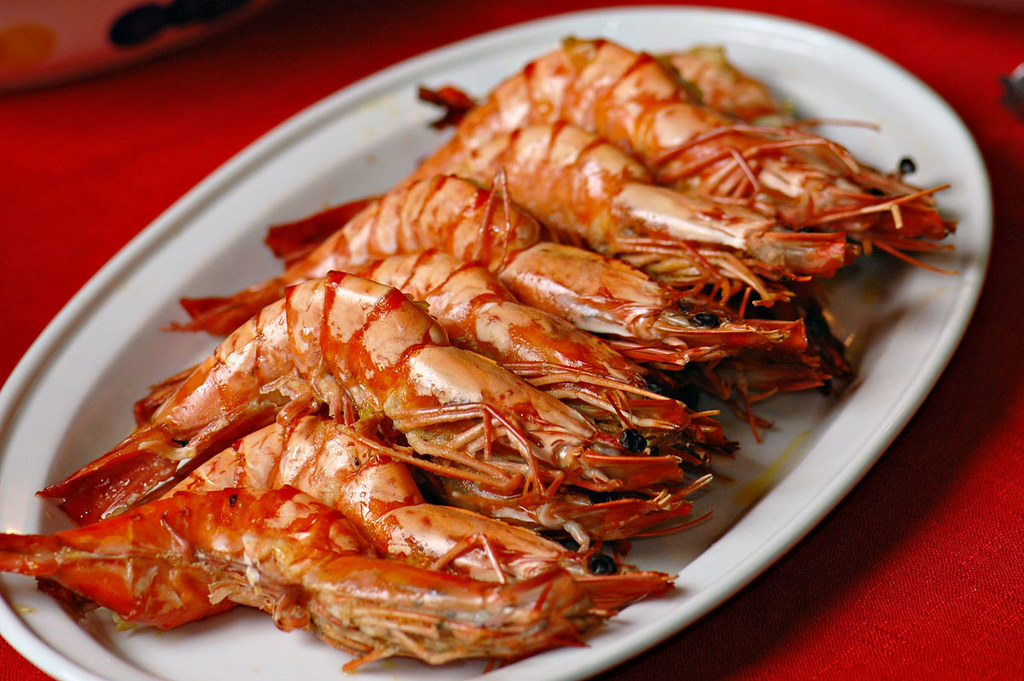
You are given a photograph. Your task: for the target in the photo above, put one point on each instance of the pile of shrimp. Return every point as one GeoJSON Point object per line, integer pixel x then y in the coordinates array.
{"type": "Point", "coordinates": [434, 433]}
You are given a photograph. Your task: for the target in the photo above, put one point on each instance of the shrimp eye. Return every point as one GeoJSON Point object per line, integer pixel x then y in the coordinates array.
{"type": "Point", "coordinates": [875, 191]}
{"type": "Point", "coordinates": [232, 500]}
{"type": "Point", "coordinates": [655, 388]}
{"type": "Point", "coordinates": [632, 440]}
{"type": "Point", "coordinates": [817, 326]}
{"type": "Point", "coordinates": [569, 544]}
{"type": "Point", "coordinates": [601, 564]}
{"type": "Point", "coordinates": [707, 320]}
{"type": "Point", "coordinates": [907, 165]}
{"type": "Point", "coordinates": [689, 395]}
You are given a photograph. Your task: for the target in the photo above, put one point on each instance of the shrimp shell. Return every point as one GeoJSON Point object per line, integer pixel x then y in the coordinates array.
{"type": "Point", "coordinates": [722, 86]}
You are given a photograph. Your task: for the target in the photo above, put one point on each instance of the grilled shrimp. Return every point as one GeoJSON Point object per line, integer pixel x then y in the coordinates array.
{"type": "Point", "coordinates": [645, 320]}
{"type": "Point", "coordinates": [630, 99]}
{"type": "Point", "coordinates": [588, 190]}
{"type": "Point", "coordinates": [704, 71]}
{"type": "Point", "coordinates": [724, 88]}
{"type": "Point", "coordinates": [444, 213]}
{"type": "Point", "coordinates": [353, 470]}
{"type": "Point", "coordinates": [480, 314]}
{"type": "Point", "coordinates": [477, 225]}
{"type": "Point", "coordinates": [352, 346]}
{"type": "Point", "coordinates": [583, 514]}
{"type": "Point", "coordinates": [181, 558]}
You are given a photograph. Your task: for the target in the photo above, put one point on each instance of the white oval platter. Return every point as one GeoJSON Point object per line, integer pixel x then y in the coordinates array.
{"type": "Point", "coordinates": [70, 397]}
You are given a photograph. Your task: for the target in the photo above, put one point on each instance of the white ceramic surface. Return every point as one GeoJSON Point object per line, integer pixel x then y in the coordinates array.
{"type": "Point", "coordinates": [70, 398]}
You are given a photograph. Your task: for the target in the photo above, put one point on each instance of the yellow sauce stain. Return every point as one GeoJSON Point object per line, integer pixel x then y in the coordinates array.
{"type": "Point", "coordinates": [751, 491]}
{"type": "Point", "coordinates": [871, 291]}
{"type": "Point", "coordinates": [121, 624]}
{"type": "Point", "coordinates": [26, 44]}
{"type": "Point", "coordinates": [870, 294]}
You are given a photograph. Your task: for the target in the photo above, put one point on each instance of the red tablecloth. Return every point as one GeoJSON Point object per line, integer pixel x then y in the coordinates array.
{"type": "Point", "coordinates": [919, 571]}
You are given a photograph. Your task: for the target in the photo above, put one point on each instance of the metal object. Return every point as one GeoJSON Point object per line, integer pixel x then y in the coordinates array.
{"type": "Point", "coordinates": [1013, 98]}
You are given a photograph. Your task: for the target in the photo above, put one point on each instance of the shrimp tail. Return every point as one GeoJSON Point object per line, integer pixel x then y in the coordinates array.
{"type": "Point", "coordinates": [106, 563]}
{"type": "Point", "coordinates": [146, 406]}
{"type": "Point", "coordinates": [297, 244]}
{"type": "Point", "coordinates": [614, 592]}
{"type": "Point", "coordinates": [292, 241]}
{"type": "Point", "coordinates": [455, 104]}
{"type": "Point", "coordinates": [121, 478]}
{"type": "Point", "coordinates": [243, 385]}
{"type": "Point", "coordinates": [222, 315]}
{"type": "Point", "coordinates": [28, 555]}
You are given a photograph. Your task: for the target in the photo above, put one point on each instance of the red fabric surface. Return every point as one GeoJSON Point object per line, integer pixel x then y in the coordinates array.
{"type": "Point", "coordinates": [918, 572]}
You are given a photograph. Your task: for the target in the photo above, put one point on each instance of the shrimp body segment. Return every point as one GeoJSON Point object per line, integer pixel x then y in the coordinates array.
{"type": "Point", "coordinates": [723, 87]}
{"type": "Point", "coordinates": [183, 557]}
{"type": "Point", "coordinates": [243, 385]}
